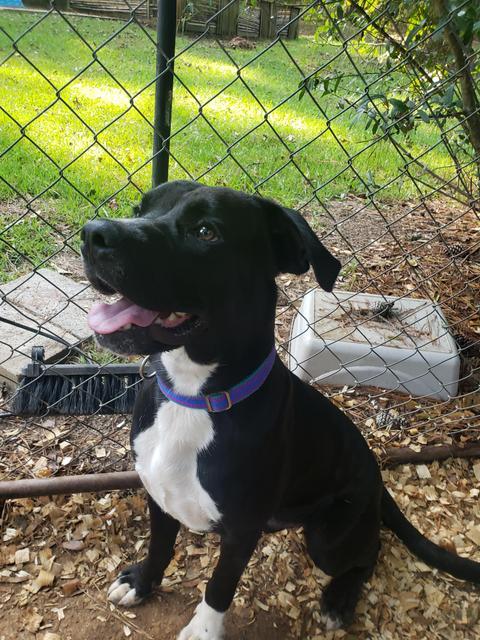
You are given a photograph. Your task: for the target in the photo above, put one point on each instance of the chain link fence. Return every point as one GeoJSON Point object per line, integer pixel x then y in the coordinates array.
{"type": "Point", "coordinates": [355, 127]}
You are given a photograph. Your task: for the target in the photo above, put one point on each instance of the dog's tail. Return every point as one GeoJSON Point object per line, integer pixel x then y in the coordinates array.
{"type": "Point", "coordinates": [423, 548]}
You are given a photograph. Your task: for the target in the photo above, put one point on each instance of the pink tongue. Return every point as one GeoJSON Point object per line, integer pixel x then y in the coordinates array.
{"type": "Point", "coordinates": [107, 318]}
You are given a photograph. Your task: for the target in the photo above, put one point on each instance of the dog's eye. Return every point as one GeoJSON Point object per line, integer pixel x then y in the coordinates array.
{"type": "Point", "coordinates": [206, 233]}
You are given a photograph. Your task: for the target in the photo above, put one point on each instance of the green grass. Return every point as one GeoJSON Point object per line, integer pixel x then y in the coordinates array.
{"type": "Point", "coordinates": [80, 177]}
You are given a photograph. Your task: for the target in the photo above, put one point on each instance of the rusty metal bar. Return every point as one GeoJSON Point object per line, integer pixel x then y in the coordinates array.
{"type": "Point", "coordinates": [97, 482]}
{"type": "Point", "coordinates": [90, 483]}
{"type": "Point", "coordinates": [404, 455]}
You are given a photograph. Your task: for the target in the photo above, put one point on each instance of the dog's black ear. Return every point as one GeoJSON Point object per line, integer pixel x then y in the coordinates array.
{"type": "Point", "coordinates": [164, 197]}
{"type": "Point", "coordinates": [296, 246]}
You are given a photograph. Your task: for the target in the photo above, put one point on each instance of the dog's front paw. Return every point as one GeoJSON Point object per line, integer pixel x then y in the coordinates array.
{"type": "Point", "coordinates": [131, 587]}
{"type": "Point", "coordinates": [206, 624]}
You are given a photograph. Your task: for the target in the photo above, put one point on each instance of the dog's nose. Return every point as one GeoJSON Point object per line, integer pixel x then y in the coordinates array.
{"type": "Point", "coordinates": [100, 234]}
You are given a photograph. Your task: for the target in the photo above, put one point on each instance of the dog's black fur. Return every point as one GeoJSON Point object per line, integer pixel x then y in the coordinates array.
{"type": "Point", "coordinates": [284, 456]}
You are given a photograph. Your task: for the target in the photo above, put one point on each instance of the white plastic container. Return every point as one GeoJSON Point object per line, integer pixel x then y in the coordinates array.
{"type": "Point", "coordinates": [336, 340]}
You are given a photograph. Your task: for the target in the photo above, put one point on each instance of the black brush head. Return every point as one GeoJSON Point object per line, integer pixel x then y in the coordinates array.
{"type": "Point", "coordinates": [51, 393]}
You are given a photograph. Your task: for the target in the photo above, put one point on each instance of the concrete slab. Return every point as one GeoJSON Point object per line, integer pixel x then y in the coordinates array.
{"type": "Point", "coordinates": [46, 300]}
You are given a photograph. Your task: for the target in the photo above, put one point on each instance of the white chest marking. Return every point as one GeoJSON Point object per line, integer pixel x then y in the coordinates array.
{"type": "Point", "coordinates": [166, 453]}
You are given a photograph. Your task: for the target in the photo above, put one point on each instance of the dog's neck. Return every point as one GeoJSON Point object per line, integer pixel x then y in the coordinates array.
{"type": "Point", "coordinates": [186, 376]}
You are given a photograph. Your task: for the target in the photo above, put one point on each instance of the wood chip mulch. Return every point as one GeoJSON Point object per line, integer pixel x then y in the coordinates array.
{"type": "Point", "coordinates": [59, 555]}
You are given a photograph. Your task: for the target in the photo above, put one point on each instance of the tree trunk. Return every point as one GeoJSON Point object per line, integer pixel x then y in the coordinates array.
{"type": "Point", "coordinates": [470, 100]}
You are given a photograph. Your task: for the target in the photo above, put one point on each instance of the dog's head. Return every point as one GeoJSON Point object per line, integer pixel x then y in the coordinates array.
{"type": "Point", "coordinates": [195, 264]}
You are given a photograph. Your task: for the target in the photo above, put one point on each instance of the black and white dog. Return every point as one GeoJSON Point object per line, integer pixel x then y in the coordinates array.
{"type": "Point", "coordinates": [224, 437]}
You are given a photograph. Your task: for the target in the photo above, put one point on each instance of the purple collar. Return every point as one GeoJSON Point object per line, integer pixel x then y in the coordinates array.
{"type": "Point", "coordinates": [223, 400]}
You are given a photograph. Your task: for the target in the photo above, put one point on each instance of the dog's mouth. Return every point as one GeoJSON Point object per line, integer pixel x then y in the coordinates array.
{"type": "Point", "coordinates": [124, 315]}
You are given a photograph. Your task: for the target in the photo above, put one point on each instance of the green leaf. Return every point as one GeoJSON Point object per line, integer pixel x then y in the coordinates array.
{"type": "Point", "coordinates": [399, 105]}
{"type": "Point", "coordinates": [413, 32]}
{"type": "Point", "coordinates": [448, 96]}
{"type": "Point", "coordinates": [375, 126]}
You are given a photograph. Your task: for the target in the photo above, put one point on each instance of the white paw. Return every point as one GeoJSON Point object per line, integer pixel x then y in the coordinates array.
{"type": "Point", "coordinates": [121, 593]}
{"type": "Point", "coordinates": [331, 623]}
{"type": "Point", "coordinates": [206, 624]}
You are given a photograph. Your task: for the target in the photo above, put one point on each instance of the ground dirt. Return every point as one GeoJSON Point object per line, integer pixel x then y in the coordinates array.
{"type": "Point", "coordinates": [161, 617]}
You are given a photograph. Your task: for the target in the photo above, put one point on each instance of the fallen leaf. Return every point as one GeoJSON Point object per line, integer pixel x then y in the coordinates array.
{"type": "Point", "coordinates": [44, 579]}
{"type": "Point", "coordinates": [40, 467]}
{"type": "Point", "coordinates": [46, 559]}
{"type": "Point", "coordinates": [71, 586]}
{"type": "Point", "coordinates": [73, 545]}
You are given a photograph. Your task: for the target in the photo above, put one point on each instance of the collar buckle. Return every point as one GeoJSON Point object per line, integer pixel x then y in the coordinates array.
{"type": "Point", "coordinates": [212, 397]}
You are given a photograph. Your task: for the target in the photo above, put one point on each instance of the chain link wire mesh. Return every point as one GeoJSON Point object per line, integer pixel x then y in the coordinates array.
{"type": "Point", "coordinates": [309, 122]}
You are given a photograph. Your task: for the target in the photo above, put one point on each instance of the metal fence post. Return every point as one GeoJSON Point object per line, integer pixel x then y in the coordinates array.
{"type": "Point", "coordinates": [166, 32]}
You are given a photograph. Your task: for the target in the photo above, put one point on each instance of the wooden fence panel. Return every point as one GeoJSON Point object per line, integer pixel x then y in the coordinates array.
{"type": "Point", "coordinates": [263, 21]}
{"type": "Point", "coordinates": [249, 23]}
{"type": "Point", "coordinates": [294, 28]}
{"type": "Point", "coordinates": [113, 8]}
{"type": "Point", "coordinates": [228, 19]}
{"type": "Point", "coordinates": [268, 19]}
